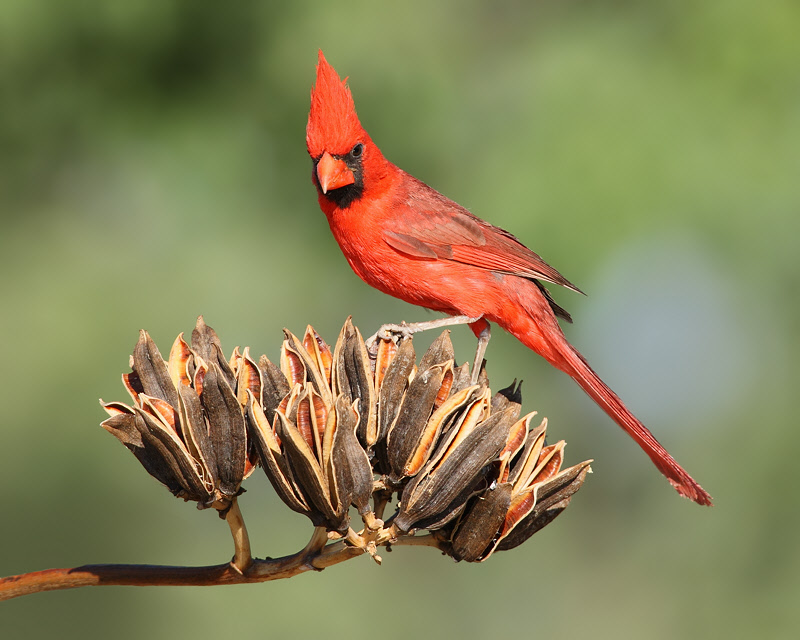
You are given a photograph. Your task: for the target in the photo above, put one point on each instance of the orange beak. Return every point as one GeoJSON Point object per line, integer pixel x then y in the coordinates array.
{"type": "Point", "coordinates": [333, 173]}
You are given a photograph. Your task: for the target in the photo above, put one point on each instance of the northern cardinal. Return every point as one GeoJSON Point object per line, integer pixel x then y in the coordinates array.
{"type": "Point", "coordinates": [408, 240]}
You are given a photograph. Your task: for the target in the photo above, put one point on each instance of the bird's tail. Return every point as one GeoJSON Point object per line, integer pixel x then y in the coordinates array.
{"type": "Point", "coordinates": [578, 369]}
{"type": "Point", "coordinates": [540, 332]}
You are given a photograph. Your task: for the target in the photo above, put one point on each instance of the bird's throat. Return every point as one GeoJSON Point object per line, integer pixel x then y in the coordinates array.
{"type": "Point", "coordinates": [342, 197]}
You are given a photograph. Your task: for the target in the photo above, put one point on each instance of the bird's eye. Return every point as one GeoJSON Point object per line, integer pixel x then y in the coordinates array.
{"type": "Point", "coordinates": [357, 150]}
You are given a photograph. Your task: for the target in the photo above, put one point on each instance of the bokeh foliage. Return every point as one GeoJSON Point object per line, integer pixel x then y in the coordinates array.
{"type": "Point", "coordinates": [152, 167]}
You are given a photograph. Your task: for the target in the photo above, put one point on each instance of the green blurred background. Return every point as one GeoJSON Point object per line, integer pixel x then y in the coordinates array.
{"type": "Point", "coordinates": [153, 167]}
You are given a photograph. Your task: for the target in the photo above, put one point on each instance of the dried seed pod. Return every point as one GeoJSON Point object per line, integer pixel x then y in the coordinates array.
{"type": "Point", "coordinates": [387, 350]}
{"type": "Point", "coordinates": [311, 451]}
{"type": "Point", "coordinates": [512, 394]}
{"type": "Point", "coordinates": [227, 436]}
{"type": "Point", "coordinates": [349, 460]}
{"type": "Point", "coordinates": [310, 472]}
{"type": "Point", "coordinates": [325, 422]}
{"type": "Point", "coordinates": [276, 387]}
{"type": "Point", "coordinates": [530, 491]}
{"type": "Point", "coordinates": [394, 366]}
{"type": "Point", "coordinates": [317, 472]}
{"type": "Point", "coordinates": [439, 492]}
{"type": "Point", "coordinates": [207, 345]}
{"type": "Point", "coordinates": [186, 426]}
{"type": "Point", "coordinates": [319, 350]}
{"type": "Point", "coordinates": [461, 378]}
{"type": "Point", "coordinates": [353, 377]}
{"type": "Point", "coordinates": [551, 499]}
{"type": "Point", "coordinates": [299, 366]}
{"type": "Point", "coordinates": [476, 530]}
{"type": "Point", "coordinates": [152, 372]}
{"type": "Point", "coordinates": [441, 350]}
{"type": "Point", "coordinates": [276, 464]}
{"type": "Point", "coordinates": [408, 431]}
{"type": "Point", "coordinates": [410, 434]}
{"type": "Point", "coordinates": [248, 376]}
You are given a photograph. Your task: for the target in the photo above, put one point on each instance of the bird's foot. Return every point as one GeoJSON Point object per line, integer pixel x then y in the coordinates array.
{"type": "Point", "coordinates": [390, 333]}
{"type": "Point", "coordinates": [395, 332]}
{"type": "Point", "coordinates": [404, 330]}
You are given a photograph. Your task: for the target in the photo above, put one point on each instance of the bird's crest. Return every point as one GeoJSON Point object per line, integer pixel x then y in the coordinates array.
{"type": "Point", "coordinates": [333, 125]}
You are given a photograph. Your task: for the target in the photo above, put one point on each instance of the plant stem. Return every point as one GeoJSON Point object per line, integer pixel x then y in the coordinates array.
{"type": "Point", "coordinates": [316, 556]}
{"type": "Point", "coordinates": [242, 557]}
{"type": "Point", "coordinates": [426, 540]}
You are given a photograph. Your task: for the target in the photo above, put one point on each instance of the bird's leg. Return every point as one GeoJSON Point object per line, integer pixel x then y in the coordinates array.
{"type": "Point", "coordinates": [483, 341]}
{"type": "Point", "coordinates": [406, 330]}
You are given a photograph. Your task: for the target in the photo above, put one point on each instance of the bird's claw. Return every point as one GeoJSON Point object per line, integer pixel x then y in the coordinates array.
{"type": "Point", "coordinates": [395, 332]}
{"type": "Point", "coordinates": [389, 332]}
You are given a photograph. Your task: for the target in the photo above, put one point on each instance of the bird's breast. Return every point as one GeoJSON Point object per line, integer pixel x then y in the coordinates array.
{"type": "Point", "coordinates": [440, 285]}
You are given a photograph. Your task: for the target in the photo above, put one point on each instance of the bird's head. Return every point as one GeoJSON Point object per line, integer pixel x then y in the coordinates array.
{"type": "Point", "coordinates": [337, 143]}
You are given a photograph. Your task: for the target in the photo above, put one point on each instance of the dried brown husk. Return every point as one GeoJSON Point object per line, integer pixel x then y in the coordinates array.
{"type": "Point", "coordinates": [411, 435]}
{"type": "Point", "coordinates": [329, 426]}
{"type": "Point", "coordinates": [352, 377]}
{"type": "Point", "coordinates": [464, 453]}
{"type": "Point", "coordinates": [530, 491]}
{"type": "Point", "coordinates": [186, 426]}
{"type": "Point", "coordinates": [394, 367]}
{"type": "Point", "coordinates": [311, 451]}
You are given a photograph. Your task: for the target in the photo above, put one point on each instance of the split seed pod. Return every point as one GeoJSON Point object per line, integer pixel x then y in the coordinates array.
{"type": "Point", "coordinates": [310, 451]}
{"type": "Point", "coordinates": [415, 427]}
{"type": "Point", "coordinates": [330, 426]}
{"type": "Point", "coordinates": [530, 491]}
{"type": "Point", "coordinates": [186, 425]}
{"type": "Point", "coordinates": [472, 437]}
{"type": "Point", "coordinates": [352, 377]}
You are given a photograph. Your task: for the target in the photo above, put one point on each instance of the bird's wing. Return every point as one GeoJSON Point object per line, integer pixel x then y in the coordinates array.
{"type": "Point", "coordinates": [440, 229]}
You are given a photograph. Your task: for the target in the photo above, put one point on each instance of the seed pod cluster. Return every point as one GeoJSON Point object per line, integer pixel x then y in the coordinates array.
{"type": "Point", "coordinates": [310, 450]}
{"type": "Point", "coordinates": [335, 428]}
{"type": "Point", "coordinates": [186, 425]}
{"type": "Point", "coordinates": [528, 490]}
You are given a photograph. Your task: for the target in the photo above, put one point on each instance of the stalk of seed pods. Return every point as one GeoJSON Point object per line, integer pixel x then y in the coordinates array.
{"type": "Point", "coordinates": [338, 432]}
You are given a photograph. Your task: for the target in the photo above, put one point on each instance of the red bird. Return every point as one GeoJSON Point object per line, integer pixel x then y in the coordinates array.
{"type": "Point", "coordinates": [408, 240]}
